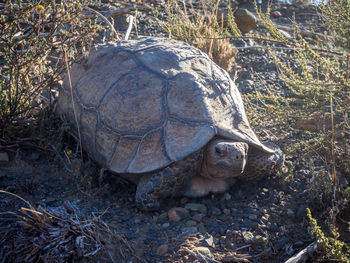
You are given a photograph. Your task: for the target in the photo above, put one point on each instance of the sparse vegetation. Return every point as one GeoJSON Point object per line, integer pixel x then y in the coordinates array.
{"type": "Point", "coordinates": [317, 102]}
{"type": "Point", "coordinates": [318, 85]}
{"type": "Point", "coordinates": [36, 36]}
{"type": "Point", "coordinates": [317, 76]}
{"type": "Point", "coordinates": [33, 39]}
{"type": "Point", "coordinates": [336, 248]}
{"type": "Point", "coordinates": [318, 105]}
{"type": "Point", "coordinates": [204, 26]}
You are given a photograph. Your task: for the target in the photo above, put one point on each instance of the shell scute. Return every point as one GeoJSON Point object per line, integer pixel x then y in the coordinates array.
{"type": "Point", "coordinates": [105, 143]}
{"type": "Point", "coordinates": [181, 138]}
{"type": "Point", "coordinates": [102, 71]}
{"type": "Point", "coordinates": [134, 105]}
{"type": "Point", "coordinates": [150, 154]}
{"type": "Point", "coordinates": [186, 99]}
{"type": "Point", "coordinates": [124, 153]}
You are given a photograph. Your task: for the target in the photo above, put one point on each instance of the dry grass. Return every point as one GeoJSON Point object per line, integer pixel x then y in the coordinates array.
{"type": "Point", "coordinates": [203, 26]}
{"type": "Point", "coordinates": [60, 234]}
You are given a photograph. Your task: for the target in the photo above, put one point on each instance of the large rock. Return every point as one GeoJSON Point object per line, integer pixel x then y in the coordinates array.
{"type": "Point", "coordinates": [245, 20]}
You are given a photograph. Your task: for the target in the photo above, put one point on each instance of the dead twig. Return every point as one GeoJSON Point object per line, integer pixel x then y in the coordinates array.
{"type": "Point", "coordinates": [61, 158]}
{"type": "Point", "coordinates": [60, 234]}
{"type": "Point", "coordinates": [304, 254]}
{"type": "Point", "coordinates": [131, 21]}
{"type": "Point", "coordinates": [242, 247]}
{"type": "Point", "coordinates": [73, 103]}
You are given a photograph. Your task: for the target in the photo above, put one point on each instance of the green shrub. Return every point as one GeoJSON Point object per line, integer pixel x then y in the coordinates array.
{"type": "Point", "coordinates": [334, 247]}
{"type": "Point", "coordinates": [317, 106]}
{"type": "Point", "coordinates": [318, 85]}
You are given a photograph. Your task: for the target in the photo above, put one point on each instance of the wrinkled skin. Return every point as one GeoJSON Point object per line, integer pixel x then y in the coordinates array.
{"type": "Point", "coordinates": [211, 170]}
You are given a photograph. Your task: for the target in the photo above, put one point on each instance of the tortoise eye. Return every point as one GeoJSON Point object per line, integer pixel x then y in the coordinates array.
{"type": "Point", "coordinates": [218, 150]}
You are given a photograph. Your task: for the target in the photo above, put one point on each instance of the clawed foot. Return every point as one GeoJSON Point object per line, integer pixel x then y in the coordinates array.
{"type": "Point", "coordinates": [146, 203]}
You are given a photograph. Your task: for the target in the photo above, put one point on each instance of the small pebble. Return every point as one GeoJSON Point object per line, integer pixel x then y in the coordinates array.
{"type": "Point", "coordinates": [273, 227]}
{"type": "Point", "coordinates": [162, 250]}
{"type": "Point", "coordinates": [204, 251]}
{"type": "Point", "coordinates": [290, 212]}
{"type": "Point", "coordinates": [208, 240]}
{"type": "Point", "coordinates": [165, 225]}
{"type": "Point", "coordinates": [34, 156]}
{"type": "Point", "coordinates": [227, 196]}
{"type": "Point", "coordinates": [195, 207]}
{"type": "Point", "coordinates": [177, 214]}
{"type": "Point", "coordinates": [251, 239]}
{"type": "Point", "coordinates": [234, 211]}
{"type": "Point", "coordinates": [247, 236]}
{"type": "Point", "coordinates": [190, 223]}
{"type": "Point", "coordinates": [226, 211]}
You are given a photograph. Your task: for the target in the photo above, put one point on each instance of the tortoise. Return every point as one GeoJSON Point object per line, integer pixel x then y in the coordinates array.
{"type": "Point", "coordinates": [162, 114]}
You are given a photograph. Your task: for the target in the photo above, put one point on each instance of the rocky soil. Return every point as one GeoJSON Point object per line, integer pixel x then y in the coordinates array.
{"type": "Point", "coordinates": [254, 222]}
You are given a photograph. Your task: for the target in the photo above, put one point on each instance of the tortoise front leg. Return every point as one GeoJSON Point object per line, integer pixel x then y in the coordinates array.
{"type": "Point", "coordinates": [167, 182]}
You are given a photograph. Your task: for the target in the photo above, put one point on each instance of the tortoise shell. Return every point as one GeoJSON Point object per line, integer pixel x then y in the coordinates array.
{"type": "Point", "coordinates": [143, 104]}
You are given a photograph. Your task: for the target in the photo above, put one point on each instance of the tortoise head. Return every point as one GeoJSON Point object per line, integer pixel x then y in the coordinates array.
{"type": "Point", "coordinates": [224, 159]}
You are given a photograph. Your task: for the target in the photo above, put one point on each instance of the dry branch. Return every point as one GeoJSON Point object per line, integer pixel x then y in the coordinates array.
{"type": "Point", "coordinates": [304, 33]}
{"type": "Point", "coordinates": [303, 255]}
{"type": "Point", "coordinates": [61, 234]}
{"type": "Point", "coordinates": [128, 31]}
